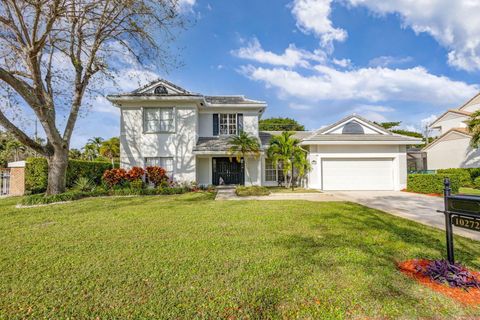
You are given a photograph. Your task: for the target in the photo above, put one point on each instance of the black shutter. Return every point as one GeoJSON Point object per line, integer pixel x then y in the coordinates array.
{"type": "Point", "coordinates": [240, 122]}
{"type": "Point", "coordinates": [215, 124]}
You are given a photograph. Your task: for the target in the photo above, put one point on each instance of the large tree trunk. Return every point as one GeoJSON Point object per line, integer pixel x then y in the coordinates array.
{"type": "Point", "coordinates": [57, 172]}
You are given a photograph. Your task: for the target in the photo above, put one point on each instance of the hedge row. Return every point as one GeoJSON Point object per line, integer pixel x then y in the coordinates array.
{"type": "Point", "coordinates": [36, 173]}
{"type": "Point", "coordinates": [72, 195]}
{"type": "Point", "coordinates": [467, 175]}
{"type": "Point", "coordinates": [432, 183]}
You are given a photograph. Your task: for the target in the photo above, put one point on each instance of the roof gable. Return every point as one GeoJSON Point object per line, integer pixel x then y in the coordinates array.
{"type": "Point", "coordinates": [353, 122]}
{"type": "Point", "coordinates": [161, 87]}
{"type": "Point", "coordinates": [472, 104]}
{"type": "Point", "coordinates": [451, 114]}
{"type": "Point", "coordinates": [449, 135]}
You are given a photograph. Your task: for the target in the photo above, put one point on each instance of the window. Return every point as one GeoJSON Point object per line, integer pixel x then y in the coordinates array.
{"type": "Point", "coordinates": [164, 162]}
{"type": "Point", "coordinates": [158, 120]}
{"type": "Point", "coordinates": [160, 90]}
{"type": "Point", "coordinates": [228, 124]}
{"type": "Point", "coordinates": [272, 173]}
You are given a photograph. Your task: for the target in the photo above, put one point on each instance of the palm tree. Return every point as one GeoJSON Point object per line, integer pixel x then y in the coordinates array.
{"type": "Point", "coordinates": [286, 149]}
{"type": "Point", "coordinates": [242, 146]}
{"type": "Point", "coordinates": [15, 147]}
{"type": "Point", "coordinates": [90, 151]}
{"type": "Point", "coordinates": [111, 149]}
{"type": "Point", "coordinates": [474, 129]}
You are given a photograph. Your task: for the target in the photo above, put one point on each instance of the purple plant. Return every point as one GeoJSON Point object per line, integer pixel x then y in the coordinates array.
{"type": "Point", "coordinates": [455, 275]}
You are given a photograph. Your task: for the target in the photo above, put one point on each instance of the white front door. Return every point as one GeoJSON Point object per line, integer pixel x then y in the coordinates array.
{"type": "Point", "coordinates": [357, 174]}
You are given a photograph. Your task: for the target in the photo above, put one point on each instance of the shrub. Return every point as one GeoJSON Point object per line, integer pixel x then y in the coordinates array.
{"type": "Point", "coordinates": [114, 177]}
{"type": "Point", "coordinates": [135, 173]}
{"type": "Point", "coordinates": [476, 183]}
{"type": "Point", "coordinates": [62, 197]}
{"type": "Point", "coordinates": [156, 175]}
{"type": "Point", "coordinates": [36, 173]}
{"type": "Point", "coordinates": [84, 184]}
{"type": "Point", "coordinates": [474, 173]}
{"type": "Point", "coordinates": [252, 191]}
{"type": "Point", "coordinates": [431, 183]}
{"type": "Point", "coordinates": [136, 184]}
{"type": "Point", "coordinates": [463, 174]}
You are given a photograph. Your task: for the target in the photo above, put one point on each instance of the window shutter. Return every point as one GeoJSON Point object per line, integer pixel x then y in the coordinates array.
{"type": "Point", "coordinates": [240, 122]}
{"type": "Point", "coordinates": [215, 124]}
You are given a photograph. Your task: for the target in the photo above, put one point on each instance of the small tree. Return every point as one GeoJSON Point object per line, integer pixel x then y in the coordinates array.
{"type": "Point", "coordinates": [110, 149]}
{"type": "Point", "coordinates": [280, 124]}
{"type": "Point", "coordinates": [242, 146]}
{"type": "Point", "coordinates": [286, 149]}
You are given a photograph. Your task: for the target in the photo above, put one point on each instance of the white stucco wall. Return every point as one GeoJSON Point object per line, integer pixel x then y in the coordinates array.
{"type": "Point", "coordinates": [474, 106]}
{"type": "Point", "coordinates": [135, 145]}
{"type": "Point", "coordinates": [253, 171]}
{"type": "Point", "coordinates": [451, 121]}
{"type": "Point", "coordinates": [455, 152]}
{"type": "Point", "coordinates": [204, 171]}
{"type": "Point", "coordinates": [394, 152]}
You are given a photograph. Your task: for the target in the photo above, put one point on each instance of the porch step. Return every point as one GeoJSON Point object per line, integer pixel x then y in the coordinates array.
{"type": "Point", "coordinates": [225, 193]}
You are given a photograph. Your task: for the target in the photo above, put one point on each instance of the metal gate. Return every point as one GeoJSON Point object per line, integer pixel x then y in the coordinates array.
{"type": "Point", "coordinates": [4, 182]}
{"type": "Point", "coordinates": [231, 172]}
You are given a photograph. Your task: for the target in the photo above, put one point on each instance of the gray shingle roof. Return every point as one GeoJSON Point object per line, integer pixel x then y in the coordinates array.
{"type": "Point", "coordinates": [212, 144]}
{"type": "Point", "coordinates": [266, 136]}
{"type": "Point", "coordinates": [229, 100]}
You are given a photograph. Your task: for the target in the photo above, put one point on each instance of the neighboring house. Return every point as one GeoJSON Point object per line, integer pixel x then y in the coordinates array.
{"type": "Point", "coordinates": [187, 133]}
{"type": "Point", "coordinates": [452, 148]}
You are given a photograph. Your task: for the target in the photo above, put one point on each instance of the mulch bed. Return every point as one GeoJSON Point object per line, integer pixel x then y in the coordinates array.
{"type": "Point", "coordinates": [410, 267]}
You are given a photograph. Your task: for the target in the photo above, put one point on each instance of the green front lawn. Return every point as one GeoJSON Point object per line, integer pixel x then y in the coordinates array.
{"type": "Point", "coordinates": [188, 256]}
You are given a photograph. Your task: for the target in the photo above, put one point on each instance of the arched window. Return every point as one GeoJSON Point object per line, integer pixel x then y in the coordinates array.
{"type": "Point", "coordinates": [353, 128]}
{"type": "Point", "coordinates": [160, 90]}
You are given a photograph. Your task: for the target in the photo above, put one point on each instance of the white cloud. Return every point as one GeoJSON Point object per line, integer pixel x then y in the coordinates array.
{"type": "Point", "coordinates": [427, 121]}
{"type": "Point", "coordinates": [453, 23]}
{"type": "Point", "coordinates": [292, 57]}
{"type": "Point", "coordinates": [385, 61]}
{"type": "Point", "coordinates": [368, 84]}
{"type": "Point", "coordinates": [186, 4]}
{"type": "Point", "coordinates": [314, 16]}
{"type": "Point", "coordinates": [300, 107]}
{"type": "Point", "coordinates": [372, 112]}
{"type": "Point", "coordinates": [344, 63]}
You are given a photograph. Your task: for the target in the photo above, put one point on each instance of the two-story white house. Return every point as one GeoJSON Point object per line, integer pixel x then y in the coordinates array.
{"type": "Point", "coordinates": [187, 133]}
{"type": "Point", "coordinates": [452, 148]}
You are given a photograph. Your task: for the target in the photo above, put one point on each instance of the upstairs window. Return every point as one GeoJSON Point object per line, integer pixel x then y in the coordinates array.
{"type": "Point", "coordinates": [228, 124]}
{"type": "Point", "coordinates": [158, 120]}
{"type": "Point", "coordinates": [353, 128]}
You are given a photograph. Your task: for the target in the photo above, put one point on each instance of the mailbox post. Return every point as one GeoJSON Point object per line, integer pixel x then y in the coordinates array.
{"type": "Point", "coordinates": [448, 222]}
{"type": "Point", "coordinates": [462, 211]}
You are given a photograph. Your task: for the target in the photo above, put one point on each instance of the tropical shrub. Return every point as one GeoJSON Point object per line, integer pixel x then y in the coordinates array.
{"type": "Point", "coordinates": [84, 184]}
{"type": "Point", "coordinates": [136, 184]}
{"type": "Point", "coordinates": [453, 274]}
{"type": "Point", "coordinates": [114, 177]}
{"type": "Point", "coordinates": [156, 175]}
{"type": "Point", "coordinates": [431, 183]}
{"type": "Point", "coordinates": [135, 173]}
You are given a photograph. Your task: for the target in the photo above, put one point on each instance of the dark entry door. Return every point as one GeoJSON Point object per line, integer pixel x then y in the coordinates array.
{"type": "Point", "coordinates": [232, 172]}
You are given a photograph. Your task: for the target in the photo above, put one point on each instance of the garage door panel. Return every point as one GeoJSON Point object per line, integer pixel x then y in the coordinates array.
{"type": "Point", "coordinates": [357, 174]}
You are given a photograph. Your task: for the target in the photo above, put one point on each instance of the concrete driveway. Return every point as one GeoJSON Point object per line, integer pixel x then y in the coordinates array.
{"type": "Point", "coordinates": [411, 206]}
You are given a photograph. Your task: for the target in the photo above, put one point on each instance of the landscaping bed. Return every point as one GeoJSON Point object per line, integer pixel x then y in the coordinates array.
{"type": "Point", "coordinates": [187, 256]}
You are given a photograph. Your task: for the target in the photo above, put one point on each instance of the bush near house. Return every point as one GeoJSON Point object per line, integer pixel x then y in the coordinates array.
{"type": "Point", "coordinates": [252, 191]}
{"type": "Point", "coordinates": [36, 173]}
{"type": "Point", "coordinates": [464, 174]}
{"type": "Point", "coordinates": [432, 183]}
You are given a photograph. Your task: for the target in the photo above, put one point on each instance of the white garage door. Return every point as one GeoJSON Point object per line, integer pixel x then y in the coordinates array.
{"type": "Point", "coordinates": [357, 174]}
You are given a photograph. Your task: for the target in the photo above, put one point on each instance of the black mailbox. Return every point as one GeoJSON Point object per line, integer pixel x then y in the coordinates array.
{"type": "Point", "coordinates": [464, 204]}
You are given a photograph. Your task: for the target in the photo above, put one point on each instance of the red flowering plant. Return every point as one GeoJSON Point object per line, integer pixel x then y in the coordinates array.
{"type": "Point", "coordinates": [156, 175]}
{"type": "Point", "coordinates": [114, 177]}
{"type": "Point", "coordinates": [135, 173]}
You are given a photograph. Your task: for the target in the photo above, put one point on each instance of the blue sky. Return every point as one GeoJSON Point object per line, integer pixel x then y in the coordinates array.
{"type": "Point", "coordinates": [320, 60]}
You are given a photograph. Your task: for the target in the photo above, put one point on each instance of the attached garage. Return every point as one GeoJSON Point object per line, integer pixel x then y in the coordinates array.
{"type": "Point", "coordinates": [355, 154]}
{"type": "Point", "coordinates": [358, 174]}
